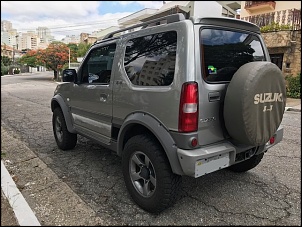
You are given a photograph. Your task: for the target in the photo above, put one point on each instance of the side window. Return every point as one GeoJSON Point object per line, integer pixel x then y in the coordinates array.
{"type": "Point", "coordinates": [150, 60]}
{"type": "Point", "coordinates": [97, 68]}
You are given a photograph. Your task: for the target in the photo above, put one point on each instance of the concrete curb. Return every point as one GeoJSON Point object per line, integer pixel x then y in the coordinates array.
{"type": "Point", "coordinates": [24, 214]}
{"type": "Point", "coordinates": [292, 109]}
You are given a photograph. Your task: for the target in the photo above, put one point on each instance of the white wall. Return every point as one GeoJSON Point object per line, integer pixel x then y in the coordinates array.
{"type": "Point", "coordinates": [207, 9]}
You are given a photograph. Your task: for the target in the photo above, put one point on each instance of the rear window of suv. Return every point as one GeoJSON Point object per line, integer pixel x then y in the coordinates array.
{"type": "Point", "coordinates": [223, 52]}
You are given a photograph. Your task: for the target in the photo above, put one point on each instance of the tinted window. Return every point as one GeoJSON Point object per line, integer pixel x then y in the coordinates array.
{"type": "Point", "coordinates": [97, 68]}
{"type": "Point", "coordinates": [150, 60]}
{"type": "Point", "coordinates": [224, 52]}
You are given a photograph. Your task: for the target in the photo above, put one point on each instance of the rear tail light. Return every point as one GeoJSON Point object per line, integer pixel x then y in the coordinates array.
{"type": "Point", "coordinates": [188, 108]}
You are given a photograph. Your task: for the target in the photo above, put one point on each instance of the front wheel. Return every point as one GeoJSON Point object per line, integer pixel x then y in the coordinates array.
{"type": "Point", "coordinates": [65, 140]}
{"type": "Point", "coordinates": [148, 175]}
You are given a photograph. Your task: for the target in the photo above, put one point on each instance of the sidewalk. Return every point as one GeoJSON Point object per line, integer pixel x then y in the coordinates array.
{"type": "Point", "coordinates": [293, 105]}
{"type": "Point", "coordinates": [11, 217]}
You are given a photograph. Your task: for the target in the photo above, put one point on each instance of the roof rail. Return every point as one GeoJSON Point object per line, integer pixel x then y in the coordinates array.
{"type": "Point", "coordinates": [170, 19]}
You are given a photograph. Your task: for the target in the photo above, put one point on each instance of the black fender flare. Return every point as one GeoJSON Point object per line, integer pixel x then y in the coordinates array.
{"type": "Point", "coordinates": [67, 115]}
{"type": "Point", "coordinates": [158, 130]}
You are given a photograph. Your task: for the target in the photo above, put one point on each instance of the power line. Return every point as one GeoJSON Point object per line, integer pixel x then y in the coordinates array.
{"type": "Point", "coordinates": [72, 25]}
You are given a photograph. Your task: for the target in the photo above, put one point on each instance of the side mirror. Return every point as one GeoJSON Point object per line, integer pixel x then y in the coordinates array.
{"type": "Point", "coordinates": [69, 75]}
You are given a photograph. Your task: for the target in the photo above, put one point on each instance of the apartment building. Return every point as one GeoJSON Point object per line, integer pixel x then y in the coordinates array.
{"type": "Point", "coordinates": [38, 39]}
{"type": "Point", "coordinates": [6, 26]}
{"type": "Point", "coordinates": [71, 39]}
{"type": "Point", "coordinates": [284, 43]}
{"type": "Point", "coordinates": [44, 34]}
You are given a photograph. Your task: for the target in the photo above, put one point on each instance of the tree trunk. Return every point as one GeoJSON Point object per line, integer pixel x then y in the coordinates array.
{"type": "Point", "coordinates": [55, 74]}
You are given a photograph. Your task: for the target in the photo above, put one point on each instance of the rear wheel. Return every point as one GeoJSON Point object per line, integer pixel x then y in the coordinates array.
{"type": "Point", "coordinates": [247, 164]}
{"type": "Point", "coordinates": [148, 175]}
{"type": "Point", "coordinates": [65, 140]}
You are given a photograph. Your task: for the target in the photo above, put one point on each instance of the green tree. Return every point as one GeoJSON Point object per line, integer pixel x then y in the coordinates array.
{"type": "Point", "coordinates": [4, 69]}
{"type": "Point", "coordinates": [82, 49]}
{"type": "Point", "coordinates": [6, 60]}
{"type": "Point", "coordinates": [73, 51]}
{"type": "Point", "coordinates": [30, 58]}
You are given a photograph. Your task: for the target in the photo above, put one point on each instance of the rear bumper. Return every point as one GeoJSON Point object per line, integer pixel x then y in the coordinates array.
{"type": "Point", "coordinates": [201, 161]}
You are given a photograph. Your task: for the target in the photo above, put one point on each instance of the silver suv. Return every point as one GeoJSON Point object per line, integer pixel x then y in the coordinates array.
{"type": "Point", "coordinates": [187, 97]}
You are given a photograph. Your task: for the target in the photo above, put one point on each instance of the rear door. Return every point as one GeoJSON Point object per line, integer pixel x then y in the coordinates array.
{"type": "Point", "coordinates": [222, 51]}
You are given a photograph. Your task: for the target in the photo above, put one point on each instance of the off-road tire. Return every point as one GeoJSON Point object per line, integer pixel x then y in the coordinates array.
{"type": "Point", "coordinates": [65, 140]}
{"type": "Point", "coordinates": [167, 183]}
{"type": "Point", "coordinates": [247, 164]}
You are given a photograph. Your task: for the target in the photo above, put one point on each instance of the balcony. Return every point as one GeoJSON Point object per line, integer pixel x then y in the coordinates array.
{"type": "Point", "coordinates": [286, 19]}
{"type": "Point", "coordinates": [257, 6]}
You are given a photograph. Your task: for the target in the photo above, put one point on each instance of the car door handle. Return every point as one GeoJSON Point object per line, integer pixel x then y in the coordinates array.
{"type": "Point", "coordinates": [103, 97]}
{"type": "Point", "coordinates": [214, 96]}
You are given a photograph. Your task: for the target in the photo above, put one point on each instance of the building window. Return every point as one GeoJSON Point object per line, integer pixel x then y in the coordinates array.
{"type": "Point", "coordinates": [277, 59]}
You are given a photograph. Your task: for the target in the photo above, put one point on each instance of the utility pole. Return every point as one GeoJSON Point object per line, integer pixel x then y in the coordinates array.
{"type": "Point", "coordinates": [17, 41]}
{"type": "Point", "coordinates": [13, 54]}
{"type": "Point", "coordinates": [69, 58]}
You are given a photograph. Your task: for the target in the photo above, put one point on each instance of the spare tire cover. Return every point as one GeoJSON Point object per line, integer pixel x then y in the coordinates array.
{"type": "Point", "coordinates": [254, 103]}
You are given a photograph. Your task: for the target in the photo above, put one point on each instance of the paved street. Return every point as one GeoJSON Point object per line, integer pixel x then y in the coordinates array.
{"type": "Point", "coordinates": [85, 186]}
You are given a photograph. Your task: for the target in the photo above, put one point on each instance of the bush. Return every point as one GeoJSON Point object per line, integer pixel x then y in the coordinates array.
{"type": "Point", "coordinates": [275, 27]}
{"type": "Point", "coordinates": [4, 69]}
{"type": "Point", "coordinates": [16, 71]}
{"type": "Point", "coordinates": [293, 86]}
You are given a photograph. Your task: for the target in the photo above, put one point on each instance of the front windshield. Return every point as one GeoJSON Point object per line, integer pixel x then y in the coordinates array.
{"type": "Point", "coordinates": [224, 52]}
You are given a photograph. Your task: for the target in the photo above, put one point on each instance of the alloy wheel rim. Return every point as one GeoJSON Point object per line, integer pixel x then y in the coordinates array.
{"type": "Point", "coordinates": [58, 127]}
{"type": "Point", "coordinates": [142, 174]}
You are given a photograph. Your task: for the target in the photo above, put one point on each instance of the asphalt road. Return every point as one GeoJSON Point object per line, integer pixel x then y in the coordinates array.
{"type": "Point", "coordinates": [85, 186]}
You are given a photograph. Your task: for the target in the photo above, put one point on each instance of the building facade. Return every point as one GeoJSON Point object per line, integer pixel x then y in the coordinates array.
{"type": "Point", "coordinates": [71, 39]}
{"type": "Point", "coordinates": [44, 34]}
{"type": "Point", "coordinates": [38, 39]}
{"type": "Point", "coordinates": [281, 29]}
{"type": "Point", "coordinates": [6, 26]}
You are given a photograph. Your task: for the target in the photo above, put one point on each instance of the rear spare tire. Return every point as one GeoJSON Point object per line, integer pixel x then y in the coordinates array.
{"type": "Point", "coordinates": [254, 103]}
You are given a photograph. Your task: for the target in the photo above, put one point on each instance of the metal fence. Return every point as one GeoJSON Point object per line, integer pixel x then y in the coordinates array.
{"type": "Point", "coordinates": [290, 17]}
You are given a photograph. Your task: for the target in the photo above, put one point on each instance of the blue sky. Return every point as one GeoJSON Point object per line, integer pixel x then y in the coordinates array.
{"type": "Point", "coordinates": [114, 7]}
{"type": "Point", "coordinates": [69, 17]}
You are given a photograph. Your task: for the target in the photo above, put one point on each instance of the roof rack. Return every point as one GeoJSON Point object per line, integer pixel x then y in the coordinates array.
{"type": "Point", "coordinates": [170, 19]}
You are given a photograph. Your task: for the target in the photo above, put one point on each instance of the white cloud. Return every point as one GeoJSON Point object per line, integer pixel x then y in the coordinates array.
{"type": "Point", "coordinates": [53, 9]}
{"type": "Point", "coordinates": [61, 27]}
{"type": "Point", "coordinates": [145, 4]}
{"type": "Point", "coordinates": [61, 17]}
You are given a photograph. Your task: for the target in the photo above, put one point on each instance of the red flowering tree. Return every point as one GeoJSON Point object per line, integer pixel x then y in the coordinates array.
{"type": "Point", "coordinates": [54, 56]}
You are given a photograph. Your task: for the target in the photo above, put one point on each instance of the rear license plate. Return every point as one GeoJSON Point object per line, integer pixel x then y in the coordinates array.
{"type": "Point", "coordinates": [208, 165]}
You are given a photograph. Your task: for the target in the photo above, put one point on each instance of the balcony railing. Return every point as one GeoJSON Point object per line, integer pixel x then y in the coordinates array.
{"type": "Point", "coordinates": [253, 6]}
{"type": "Point", "coordinates": [291, 18]}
